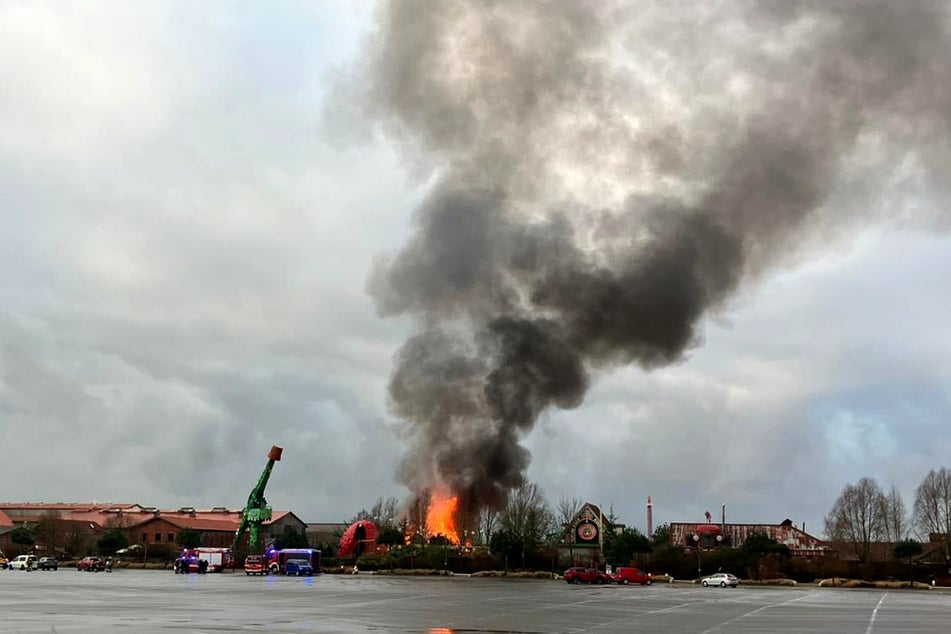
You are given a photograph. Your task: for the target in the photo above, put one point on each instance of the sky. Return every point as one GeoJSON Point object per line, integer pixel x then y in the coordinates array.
{"type": "Point", "coordinates": [213, 215]}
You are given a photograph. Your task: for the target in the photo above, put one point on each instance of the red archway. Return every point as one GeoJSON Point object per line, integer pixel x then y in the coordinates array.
{"type": "Point", "coordinates": [357, 539]}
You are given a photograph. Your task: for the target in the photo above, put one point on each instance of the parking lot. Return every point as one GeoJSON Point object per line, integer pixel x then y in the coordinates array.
{"type": "Point", "coordinates": [155, 601]}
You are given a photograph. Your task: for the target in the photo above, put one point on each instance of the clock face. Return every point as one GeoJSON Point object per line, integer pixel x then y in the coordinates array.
{"type": "Point", "coordinates": [587, 531]}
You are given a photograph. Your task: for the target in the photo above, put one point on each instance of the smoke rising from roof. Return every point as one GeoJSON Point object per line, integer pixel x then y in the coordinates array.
{"type": "Point", "coordinates": [604, 175]}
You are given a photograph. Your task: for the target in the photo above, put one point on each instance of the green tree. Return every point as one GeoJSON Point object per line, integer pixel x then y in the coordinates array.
{"type": "Point", "coordinates": [761, 544]}
{"type": "Point", "coordinates": [908, 549]}
{"type": "Point", "coordinates": [622, 548]}
{"type": "Point", "coordinates": [390, 537]}
{"type": "Point", "coordinates": [22, 536]}
{"type": "Point", "coordinates": [112, 540]}
{"type": "Point", "coordinates": [661, 536]}
{"type": "Point", "coordinates": [505, 544]}
{"type": "Point", "coordinates": [189, 538]}
{"type": "Point", "coordinates": [290, 538]}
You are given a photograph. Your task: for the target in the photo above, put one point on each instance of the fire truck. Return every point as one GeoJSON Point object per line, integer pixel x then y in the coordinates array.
{"type": "Point", "coordinates": [276, 559]}
{"type": "Point", "coordinates": [218, 559]}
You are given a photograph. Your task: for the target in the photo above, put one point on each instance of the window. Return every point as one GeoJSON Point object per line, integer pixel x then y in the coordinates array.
{"type": "Point", "coordinates": [145, 538]}
{"type": "Point", "coordinates": [158, 537]}
{"type": "Point", "coordinates": [171, 537]}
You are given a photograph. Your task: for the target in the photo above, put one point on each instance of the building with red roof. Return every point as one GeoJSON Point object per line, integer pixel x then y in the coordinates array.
{"type": "Point", "coordinates": [73, 528]}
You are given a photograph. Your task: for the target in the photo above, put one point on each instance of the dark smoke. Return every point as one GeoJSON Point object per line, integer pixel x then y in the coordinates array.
{"type": "Point", "coordinates": [607, 174]}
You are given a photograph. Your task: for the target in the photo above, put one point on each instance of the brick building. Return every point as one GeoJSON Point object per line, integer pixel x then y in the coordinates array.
{"type": "Point", "coordinates": [710, 536]}
{"type": "Point", "coordinates": [74, 528]}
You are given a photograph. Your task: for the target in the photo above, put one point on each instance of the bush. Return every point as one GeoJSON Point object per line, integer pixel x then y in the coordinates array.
{"type": "Point", "coordinates": [519, 574]}
{"type": "Point", "coordinates": [375, 561]}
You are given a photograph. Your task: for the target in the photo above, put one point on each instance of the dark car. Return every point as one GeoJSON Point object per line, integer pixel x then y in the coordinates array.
{"type": "Point", "coordinates": [625, 575]}
{"type": "Point", "coordinates": [47, 563]}
{"type": "Point", "coordinates": [298, 567]}
{"type": "Point", "coordinates": [91, 564]}
{"type": "Point", "coordinates": [579, 574]}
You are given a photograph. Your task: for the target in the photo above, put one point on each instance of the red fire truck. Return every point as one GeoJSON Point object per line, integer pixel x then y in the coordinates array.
{"type": "Point", "coordinates": [219, 559]}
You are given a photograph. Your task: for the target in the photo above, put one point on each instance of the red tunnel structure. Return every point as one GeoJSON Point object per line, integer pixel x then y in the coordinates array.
{"type": "Point", "coordinates": [360, 537]}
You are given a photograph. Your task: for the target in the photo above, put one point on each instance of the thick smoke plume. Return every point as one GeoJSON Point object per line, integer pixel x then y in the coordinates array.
{"type": "Point", "coordinates": [602, 176]}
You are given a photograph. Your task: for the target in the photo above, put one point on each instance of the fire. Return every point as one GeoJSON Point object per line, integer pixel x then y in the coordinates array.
{"type": "Point", "coordinates": [441, 517]}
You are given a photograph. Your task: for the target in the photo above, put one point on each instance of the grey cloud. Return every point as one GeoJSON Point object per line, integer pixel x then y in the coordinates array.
{"type": "Point", "coordinates": [502, 99]}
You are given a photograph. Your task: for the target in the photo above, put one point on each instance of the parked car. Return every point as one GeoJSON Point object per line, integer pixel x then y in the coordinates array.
{"type": "Point", "coordinates": [625, 575]}
{"type": "Point", "coordinates": [298, 567]}
{"type": "Point", "coordinates": [23, 562]}
{"type": "Point", "coordinates": [3, 560]}
{"type": "Point", "coordinates": [47, 563]}
{"type": "Point", "coordinates": [254, 565]}
{"type": "Point", "coordinates": [722, 579]}
{"type": "Point", "coordinates": [91, 564]}
{"type": "Point", "coordinates": [579, 574]}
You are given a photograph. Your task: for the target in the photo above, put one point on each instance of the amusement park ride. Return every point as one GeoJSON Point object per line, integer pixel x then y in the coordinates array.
{"type": "Point", "coordinates": [257, 511]}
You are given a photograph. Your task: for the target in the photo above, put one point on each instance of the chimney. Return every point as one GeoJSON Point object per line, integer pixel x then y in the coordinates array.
{"type": "Point", "coordinates": [650, 518]}
{"type": "Point", "coordinates": [722, 518]}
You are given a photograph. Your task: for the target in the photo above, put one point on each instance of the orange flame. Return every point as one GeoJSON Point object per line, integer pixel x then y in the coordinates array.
{"type": "Point", "coordinates": [441, 517]}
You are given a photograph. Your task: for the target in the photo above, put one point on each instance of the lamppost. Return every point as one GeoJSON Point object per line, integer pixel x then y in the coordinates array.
{"type": "Point", "coordinates": [696, 545]}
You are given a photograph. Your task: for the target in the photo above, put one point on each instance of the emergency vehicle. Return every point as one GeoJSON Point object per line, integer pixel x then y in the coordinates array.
{"type": "Point", "coordinates": [277, 559]}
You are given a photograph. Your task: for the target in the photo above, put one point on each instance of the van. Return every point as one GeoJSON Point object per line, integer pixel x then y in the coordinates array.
{"type": "Point", "coordinates": [23, 562]}
{"type": "Point", "coordinates": [625, 576]}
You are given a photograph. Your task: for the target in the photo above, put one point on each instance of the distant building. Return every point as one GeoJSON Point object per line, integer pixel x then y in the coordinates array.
{"type": "Point", "coordinates": [79, 525]}
{"type": "Point", "coordinates": [583, 537]}
{"type": "Point", "coordinates": [709, 535]}
{"type": "Point", "coordinates": [320, 534]}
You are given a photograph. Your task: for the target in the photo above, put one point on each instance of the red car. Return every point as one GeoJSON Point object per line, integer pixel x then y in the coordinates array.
{"type": "Point", "coordinates": [625, 576]}
{"type": "Point", "coordinates": [91, 564]}
{"type": "Point", "coordinates": [579, 574]}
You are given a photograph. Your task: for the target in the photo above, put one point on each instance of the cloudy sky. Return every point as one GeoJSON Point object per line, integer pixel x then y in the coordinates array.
{"type": "Point", "coordinates": [213, 214]}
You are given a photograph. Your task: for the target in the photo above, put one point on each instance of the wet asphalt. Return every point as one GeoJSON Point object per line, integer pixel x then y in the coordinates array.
{"type": "Point", "coordinates": [67, 601]}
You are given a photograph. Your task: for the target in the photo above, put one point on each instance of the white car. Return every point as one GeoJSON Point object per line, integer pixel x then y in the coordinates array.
{"type": "Point", "coordinates": [722, 579]}
{"type": "Point", "coordinates": [23, 562]}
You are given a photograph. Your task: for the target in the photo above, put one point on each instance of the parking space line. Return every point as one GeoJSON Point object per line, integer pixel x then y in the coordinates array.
{"type": "Point", "coordinates": [871, 621]}
{"type": "Point", "coordinates": [756, 611]}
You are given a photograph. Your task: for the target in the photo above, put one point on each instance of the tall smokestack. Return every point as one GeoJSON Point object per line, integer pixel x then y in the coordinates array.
{"type": "Point", "coordinates": [650, 518]}
{"type": "Point", "coordinates": [579, 217]}
{"type": "Point", "coordinates": [722, 517]}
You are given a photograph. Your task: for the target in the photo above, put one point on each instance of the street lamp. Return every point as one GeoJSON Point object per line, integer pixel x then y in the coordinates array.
{"type": "Point", "coordinates": [696, 542]}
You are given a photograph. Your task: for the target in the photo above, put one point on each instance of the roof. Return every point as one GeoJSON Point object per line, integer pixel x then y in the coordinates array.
{"type": "Point", "coordinates": [326, 526]}
{"type": "Point", "coordinates": [197, 522]}
{"type": "Point", "coordinates": [41, 507]}
{"type": "Point", "coordinates": [105, 514]}
{"type": "Point", "coordinates": [209, 520]}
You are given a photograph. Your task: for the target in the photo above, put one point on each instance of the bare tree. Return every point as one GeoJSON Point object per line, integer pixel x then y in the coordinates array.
{"type": "Point", "coordinates": [488, 524]}
{"type": "Point", "coordinates": [526, 517]}
{"type": "Point", "coordinates": [50, 531]}
{"type": "Point", "coordinates": [568, 507]}
{"type": "Point", "coordinates": [385, 513]}
{"type": "Point", "coordinates": [933, 506]}
{"type": "Point", "coordinates": [894, 526]}
{"type": "Point", "coordinates": [417, 511]}
{"type": "Point", "coordinates": [855, 516]}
